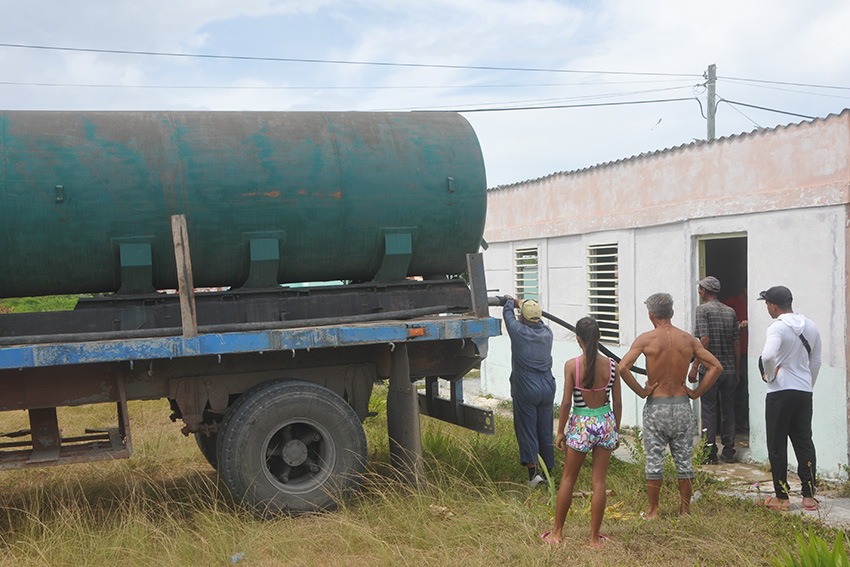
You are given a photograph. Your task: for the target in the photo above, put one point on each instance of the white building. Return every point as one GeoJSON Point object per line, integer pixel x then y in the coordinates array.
{"type": "Point", "coordinates": [756, 210]}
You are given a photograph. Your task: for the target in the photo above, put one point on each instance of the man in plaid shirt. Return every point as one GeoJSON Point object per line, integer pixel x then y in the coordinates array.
{"type": "Point", "coordinates": [717, 329]}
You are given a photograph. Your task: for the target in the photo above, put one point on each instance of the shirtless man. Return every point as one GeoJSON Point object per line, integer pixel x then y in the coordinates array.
{"type": "Point", "coordinates": [667, 415]}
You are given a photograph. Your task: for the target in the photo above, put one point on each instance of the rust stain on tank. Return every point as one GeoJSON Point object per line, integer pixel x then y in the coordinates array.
{"type": "Point", "coordinates": [273, 194]}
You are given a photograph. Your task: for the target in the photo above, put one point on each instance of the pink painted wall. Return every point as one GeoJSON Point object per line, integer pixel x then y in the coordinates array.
{"type": "Point", "coordinates": [801, 165]}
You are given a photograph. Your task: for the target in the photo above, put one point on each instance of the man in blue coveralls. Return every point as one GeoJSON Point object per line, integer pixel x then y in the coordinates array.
{"type": "Point", "coordinates": [532, 385]}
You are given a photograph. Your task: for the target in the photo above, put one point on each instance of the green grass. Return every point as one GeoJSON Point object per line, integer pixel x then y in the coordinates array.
{"type": "Point", "coordinates": [37, 304]}
{"type": "Point", "coordinates": [166, 507]}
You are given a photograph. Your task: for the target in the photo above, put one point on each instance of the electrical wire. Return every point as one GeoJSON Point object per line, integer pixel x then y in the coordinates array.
{"type": "Point", "coordinates": [559, 106]}
{"type": "Point", "coordinates": [323, 87]}
{"type": "Point", "coordinates": [765, 108]}
{"type": "Point", "coordinates": [756, 82]}
{"type": "Point", "coordinates": [739, 111]}
{"type": "Point", "coordinates": [784, 83]}
{"type": "Point", "coordinates": [561, 101]}
{"type": "Point", "coordinates": [336, 61]}
{"type": "Point", "coordinates": [797, 91]}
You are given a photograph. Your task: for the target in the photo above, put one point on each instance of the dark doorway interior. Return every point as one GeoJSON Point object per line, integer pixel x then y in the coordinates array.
{"type": "Point", "coordinates": [726, 259]}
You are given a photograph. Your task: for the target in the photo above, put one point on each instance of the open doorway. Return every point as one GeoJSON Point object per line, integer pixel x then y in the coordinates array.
{"type": "Point", "coordinates": [725, 257]}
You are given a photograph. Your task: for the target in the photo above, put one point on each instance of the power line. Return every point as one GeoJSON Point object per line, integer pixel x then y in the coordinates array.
{"type": "Point", "coordinates": [557, 106]}
{"type": "Point", "coordinates": [322, 87]}
{"type": "Point", "coordinates": [767, 109]}
{"type": "Point", "coordinates": [336, 61]}
{"type": "Point", "coordinates": [544, 103]}
{"type": "Point", "coordinates": [739, 111]}
{"type": "Point", "coordinates": [797, 91]}
{"type": "Point", "coordinates": [785, 83]}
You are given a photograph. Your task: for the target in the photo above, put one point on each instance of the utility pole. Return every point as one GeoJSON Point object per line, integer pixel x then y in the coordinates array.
{"type": "Point", "coordinates": [712, 104]}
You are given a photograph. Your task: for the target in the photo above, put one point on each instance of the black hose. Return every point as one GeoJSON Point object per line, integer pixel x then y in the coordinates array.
{"type": "Point", "coordinates": [500, 300]}
{"type": "Point", "coordinates": [602, 347]}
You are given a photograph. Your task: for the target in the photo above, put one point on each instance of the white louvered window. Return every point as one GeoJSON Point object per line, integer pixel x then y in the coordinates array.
{"type": "Point", "coordinates": [526, 273]}
{"type": "Point", "coordinates": [603, 290]}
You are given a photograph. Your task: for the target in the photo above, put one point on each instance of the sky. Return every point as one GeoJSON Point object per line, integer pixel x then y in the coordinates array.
{"type": "Point", "coordinates": [473, 56]}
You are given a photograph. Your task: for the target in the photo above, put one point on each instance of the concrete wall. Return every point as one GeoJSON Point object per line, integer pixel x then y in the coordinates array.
{"type": "Point", "coordinates": [785, 189]}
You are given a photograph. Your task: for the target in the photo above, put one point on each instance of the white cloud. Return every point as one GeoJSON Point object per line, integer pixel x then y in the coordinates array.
{"type": "Point", "coordinates": [778, 40]}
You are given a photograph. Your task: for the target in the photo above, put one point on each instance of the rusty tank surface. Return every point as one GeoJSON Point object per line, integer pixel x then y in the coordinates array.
{"type": "Point", "coordinates": [269, 198]}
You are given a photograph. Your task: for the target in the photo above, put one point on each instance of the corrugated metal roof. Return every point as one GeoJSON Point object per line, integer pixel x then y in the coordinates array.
{"type": "Point", "coordinates": [656, 153]}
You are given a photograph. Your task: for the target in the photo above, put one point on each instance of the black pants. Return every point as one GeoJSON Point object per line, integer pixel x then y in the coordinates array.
{"type": "Point", "coordinates": [719, 399]}
{"type": "Point", "coordinates": [742, 400]}
{"type": "Point", "coordinates": [788, 414]}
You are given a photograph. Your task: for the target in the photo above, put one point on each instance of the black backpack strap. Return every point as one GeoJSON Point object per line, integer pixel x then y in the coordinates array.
{"type": "Point", "coordinates": [806, 344]}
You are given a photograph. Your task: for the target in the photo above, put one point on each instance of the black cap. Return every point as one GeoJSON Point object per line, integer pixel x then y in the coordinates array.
{"type": "Point", "coordinates": [778, 295]}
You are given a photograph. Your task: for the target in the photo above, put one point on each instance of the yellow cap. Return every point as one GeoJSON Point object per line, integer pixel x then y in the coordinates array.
{"type": "Point", "coordinates": [530, 310]}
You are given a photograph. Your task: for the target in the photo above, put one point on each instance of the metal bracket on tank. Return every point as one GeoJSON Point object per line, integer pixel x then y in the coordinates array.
{"type": "Point", "coordinates": [136, 268]}
{"type": "Point", "coordinates": [398, 250]}
{"type": "Point", "coordinates": [264, 257]}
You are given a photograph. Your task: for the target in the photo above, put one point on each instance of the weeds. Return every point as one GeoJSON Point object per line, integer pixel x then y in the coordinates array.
{"type": "Point", "coordinates": [813, 551]}
{"type": "Point", "coordinates": [165, 506]}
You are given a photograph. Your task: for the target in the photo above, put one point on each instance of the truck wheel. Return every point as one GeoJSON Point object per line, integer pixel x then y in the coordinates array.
{"type": "Point", "coordinates": [207, 443]}
{"type": "Point", "coordinates": [290, 446]}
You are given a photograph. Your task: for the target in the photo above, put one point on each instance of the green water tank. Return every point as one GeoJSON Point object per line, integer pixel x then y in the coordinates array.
{"type": "Point", "coordinates": [269, 198]}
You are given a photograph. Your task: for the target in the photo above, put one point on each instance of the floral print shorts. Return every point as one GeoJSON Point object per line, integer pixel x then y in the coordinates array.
{"type": "Point", "coordinates": [589, 428]}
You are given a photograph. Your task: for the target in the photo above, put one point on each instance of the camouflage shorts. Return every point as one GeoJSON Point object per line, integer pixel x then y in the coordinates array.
{"type": "Point", "coordinates": [668, 421]}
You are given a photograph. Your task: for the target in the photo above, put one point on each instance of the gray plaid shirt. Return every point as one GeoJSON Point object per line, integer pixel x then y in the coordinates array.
{"type": "Point", "coordinates": [719, 323]}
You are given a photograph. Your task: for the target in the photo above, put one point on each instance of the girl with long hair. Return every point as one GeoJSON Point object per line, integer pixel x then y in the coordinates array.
{"type": "Point", "coordinates": [592, 392]}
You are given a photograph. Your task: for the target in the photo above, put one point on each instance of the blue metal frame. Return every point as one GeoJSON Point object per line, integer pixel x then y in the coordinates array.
{"type": "Point", "coordinates": [433, 329]}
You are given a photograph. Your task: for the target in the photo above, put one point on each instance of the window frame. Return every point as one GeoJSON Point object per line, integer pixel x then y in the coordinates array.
{"type": "Point", "coordinates": [526, 278]}
{"type": "Point", "coordinates": [603, 289]}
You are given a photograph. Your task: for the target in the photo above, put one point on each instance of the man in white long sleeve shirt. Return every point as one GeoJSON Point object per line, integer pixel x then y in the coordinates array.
{"type": "Point", "coordinates": [791, 360]}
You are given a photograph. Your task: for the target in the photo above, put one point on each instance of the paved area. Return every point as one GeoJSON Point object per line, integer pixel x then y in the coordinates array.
{"type": "Point", "coordinates": [744, 479]}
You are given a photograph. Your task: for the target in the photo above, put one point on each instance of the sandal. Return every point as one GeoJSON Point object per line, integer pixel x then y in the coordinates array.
{"type": "Point", "coordinates": [774, 503]}
{"type": "Point", "coordinates": [814, 506]}
{"type": "Point", "coordinates": [602, 539]}
{"type": "Point", "coordinates": [545, 537]}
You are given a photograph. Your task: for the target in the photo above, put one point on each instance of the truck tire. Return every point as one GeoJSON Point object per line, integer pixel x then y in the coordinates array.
{"type": "Point", "coordinates": [290, 446]}
{"type": "Point", "coordinates": [207, 443]}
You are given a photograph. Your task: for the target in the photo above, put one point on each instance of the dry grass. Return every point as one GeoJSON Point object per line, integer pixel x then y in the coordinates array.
{"type": "Point", "coordinates": [165, 506]}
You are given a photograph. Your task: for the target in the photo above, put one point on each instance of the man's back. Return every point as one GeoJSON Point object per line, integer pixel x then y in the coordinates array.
{"type": "Point", "coordinates": [668, 351]}
{"type": "Point", "coordinates": [719, 323]}
{"type": "Point", "coordinates": [789, 362]}
{"type": "Point", "coordinates": [531, 345]}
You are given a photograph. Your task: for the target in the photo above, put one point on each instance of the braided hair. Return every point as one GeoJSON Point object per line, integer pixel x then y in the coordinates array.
{"type": "Point", "coordinates": [587, 329]}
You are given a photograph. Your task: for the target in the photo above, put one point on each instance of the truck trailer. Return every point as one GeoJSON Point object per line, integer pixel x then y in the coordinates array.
{"type": "Point", "coordinates": [189, 234]}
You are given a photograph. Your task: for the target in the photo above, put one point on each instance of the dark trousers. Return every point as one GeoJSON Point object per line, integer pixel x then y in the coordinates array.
{"type": "Point", "coordinates": [719, 399]}
{"type": "Point", "coordinates": [533, 428]}
{"type": "Point", "coordinates": [788, 414]}
{"type": "Point", "coordinates": [742, 399]}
